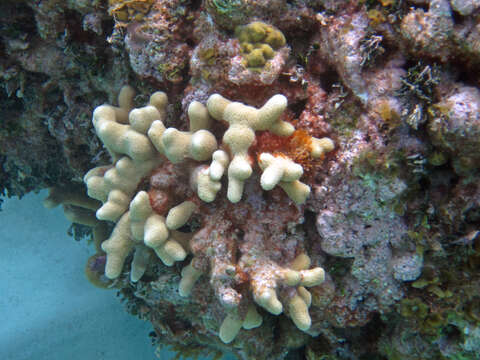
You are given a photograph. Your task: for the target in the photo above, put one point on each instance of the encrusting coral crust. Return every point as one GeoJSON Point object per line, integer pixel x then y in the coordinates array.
{"type": "Point", "coordinates": [159, 185]}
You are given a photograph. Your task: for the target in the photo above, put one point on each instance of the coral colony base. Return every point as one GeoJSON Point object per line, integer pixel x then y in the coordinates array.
{"type": "Point", "coordinates": [161, 191]}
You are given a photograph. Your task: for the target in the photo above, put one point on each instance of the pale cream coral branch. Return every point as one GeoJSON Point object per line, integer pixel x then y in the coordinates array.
{"type": "Point", "coordinates": [243, 121]}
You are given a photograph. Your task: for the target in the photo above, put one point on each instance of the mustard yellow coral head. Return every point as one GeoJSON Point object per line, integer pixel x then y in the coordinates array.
{"type": "Point", "coordinates": [262, 33]}
{"type": "Point", "coordinates": [275, 39]}
{"type": "Point", "coordinates": [267, 51]}
{"type": "Point", "coordinates": [258, 42]}
{"type": "Point", "coordinates": [256, 31]}
{"type": "Point", "coordinates": [255, 58]}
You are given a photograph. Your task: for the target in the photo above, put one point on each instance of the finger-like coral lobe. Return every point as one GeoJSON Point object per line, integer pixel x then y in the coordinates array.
{"type": "Point", "coordinates": [162, 191]}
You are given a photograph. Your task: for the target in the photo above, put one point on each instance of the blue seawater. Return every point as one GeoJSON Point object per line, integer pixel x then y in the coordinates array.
{"type": "Point", "coordinates": [48, 309]}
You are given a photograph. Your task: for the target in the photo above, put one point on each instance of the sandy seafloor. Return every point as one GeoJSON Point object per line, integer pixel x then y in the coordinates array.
{"type": "Point", "coordinates": [48, 309]}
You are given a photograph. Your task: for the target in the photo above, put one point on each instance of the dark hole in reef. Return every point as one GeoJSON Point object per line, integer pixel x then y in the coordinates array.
{"type": "Point", "coordinates": [310, 217]}
{"type": "Point", "coordinates": [53, 171]}
{"type": "Point", "coordinates": [328, 79]}
{"type": "Point", "coordinates": [3, 53]}
{"type": "Point", "coordinates": [320, 346]}
{"type": "Point", "coordinates": [275, 325]}
{"type": "Point", "coordinates": [81, 99]}
{"type": "Point", "coordinates": [9, 103]}
{"type": "Point", "coordinates": [389, 47]}
{"type": "Point", "coordinates": [153, 337]}
{"type": "Point", "coordinates": [472, 309]}
{"type": "Point", "coordinates": [176, 324]}
{"type": "Point", "coordinates": [441, 170]}
{"type": "Point", "coordinates": [146, 278]}
{"type": "Point", "coordinates": [186, 72]}
{"type": "Point", "coordinates": [3, 159]}
{"type": "Point", "coordinates": [75, 27]}
{"type": "Point", "coordinates": [423, 6]}
{"type": "Point", "coordinates": [107, 26]}
{"type": "Point", "coordinates": [441, 179]}
{"type": "Point", "coordinates": [238, 253]}
{"type": "Point", "coordinates": [296, 354]}
{"type": "Point", "coordinates": [297, 108]}
{"type": "Point", "coordinates": [458, 19]}
{"type": "Point", "coordinates": [240, 234]}
{"type": "Point", "coordinates": [367, 251]}
{"type": "Point", "coordinates": [143, 185]}
{"type": "Point", "coordinates": [17, 18]}
{"type": "Point", "coordinates": [337, 267]}
{"type": "Point", "coordinates": [361, 340]}
{"type": "Point", "coordinates": [372, 356]}
{"type": "Point", "coordinates": [83, 149]}
{"type": "Point", "coordinates": [310, 227]}
{"type": "Point", "coordinates": [192, 225]}
{"type": "Point", "coordinates": [472, 215]}
{"type": "Point", "coordinates": [99, 98]}
{"type": "Point", "coordinates": [318, 6]}
{"type": "Point", "coordinates": [468, 73]}
{"type": "Point", "coordinates": [54, 95]}
{"type": "Point", "coordinates": [423, 184]}
{"type": "Point", "coordinates": [195, 4]}
{"type": "Point", "coordinates": [370, 335]}
{"type": "Point", "coordinates": [453, 334]}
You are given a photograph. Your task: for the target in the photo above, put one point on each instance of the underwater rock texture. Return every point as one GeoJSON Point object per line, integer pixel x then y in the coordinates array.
{"type": "Point", "coordinates": [393, 212]}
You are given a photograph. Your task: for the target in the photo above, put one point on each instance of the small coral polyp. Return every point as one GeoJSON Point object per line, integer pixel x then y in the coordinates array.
{"type": "Point", "coordinates": [161, 191]}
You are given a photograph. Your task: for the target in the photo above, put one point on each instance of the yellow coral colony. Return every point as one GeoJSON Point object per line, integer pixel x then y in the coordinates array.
{"type": "Point", "coordinates": [138, 143]}
{"type": "Point", "coordinates": [259, 42]}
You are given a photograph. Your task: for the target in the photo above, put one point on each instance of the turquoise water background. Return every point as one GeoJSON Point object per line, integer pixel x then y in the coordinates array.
{"type": "Point", "coordinates": [48, 309]}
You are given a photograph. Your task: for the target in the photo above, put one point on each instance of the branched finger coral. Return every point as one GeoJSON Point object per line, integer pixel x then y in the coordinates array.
{"type": "Point", "coordinates": [161, 190]}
